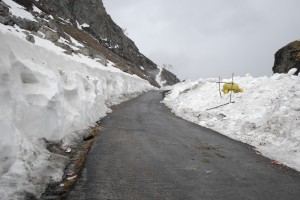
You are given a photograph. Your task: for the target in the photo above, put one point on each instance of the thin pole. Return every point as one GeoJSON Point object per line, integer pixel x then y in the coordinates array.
{"type": "Point", "coordinates": [220, 86]}
{"type": "Point", "coordinates": [231, 88]}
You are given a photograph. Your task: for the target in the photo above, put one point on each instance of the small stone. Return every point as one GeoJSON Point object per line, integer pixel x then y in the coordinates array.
{"type": "Point", "coordinates": [30, 38]}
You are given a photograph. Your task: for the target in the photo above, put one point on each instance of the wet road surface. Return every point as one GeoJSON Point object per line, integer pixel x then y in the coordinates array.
{"type": "Point", "coordinates": [145, 152]}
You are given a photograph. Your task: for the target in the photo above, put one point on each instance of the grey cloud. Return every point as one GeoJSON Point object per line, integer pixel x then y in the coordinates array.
{"type": "Point", "coordinates": [209, 38]}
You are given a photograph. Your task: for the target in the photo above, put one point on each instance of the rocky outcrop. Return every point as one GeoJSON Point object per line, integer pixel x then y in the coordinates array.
{"type": "Point", "coordinates": [26, 3]}
{"type": "Point", "coordinates": [169, 77]}
{"type": "Point", "coordinates": [287, 58]}
{"type": "Point", "coordinates": [100, 26]}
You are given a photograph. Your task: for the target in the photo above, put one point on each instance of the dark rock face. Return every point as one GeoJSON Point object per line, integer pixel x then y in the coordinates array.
{"type": "Point", "coordinates": [105, 31]}
{"type": "Point", "coordinates": [169, 77]}
{"type": "Point", "coordinates": [287, 58]}
{"type": "Point", "coordinates": [26, 3]}
{"type": "Point", "coordinates": [4, 11]}
{"type": "Point", "coordinates": [30, 38]}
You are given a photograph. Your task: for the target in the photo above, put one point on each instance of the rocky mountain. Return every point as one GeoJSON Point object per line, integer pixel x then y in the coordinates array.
{"type": "Point", "coordinates": [88, 22]}
{"type": "Point", "coordinates": [287, 57]}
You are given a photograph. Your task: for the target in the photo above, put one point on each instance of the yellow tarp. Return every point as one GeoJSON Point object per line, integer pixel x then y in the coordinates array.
{"type": "Point", "coordinates": [231, 86]}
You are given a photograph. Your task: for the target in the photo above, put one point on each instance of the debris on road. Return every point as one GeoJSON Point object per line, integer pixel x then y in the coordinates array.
{"type": "Point", "coordinates": [276, 163]}
{"type": "Point", "coordinates": [71, 177]}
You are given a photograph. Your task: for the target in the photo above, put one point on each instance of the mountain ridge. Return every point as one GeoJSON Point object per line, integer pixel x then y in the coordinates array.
{"type": "Point", "coordinates": [89, 23]}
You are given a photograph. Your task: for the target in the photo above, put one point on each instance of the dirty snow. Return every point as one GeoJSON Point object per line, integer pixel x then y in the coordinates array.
{"type": "Point", "coordinates": [266, 115]}
{"type": "Point", "coordinates": [47, 95]}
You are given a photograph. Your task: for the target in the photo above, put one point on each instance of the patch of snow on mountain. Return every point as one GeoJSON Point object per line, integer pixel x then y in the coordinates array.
{"type": "Point", "coordinates": [18, 10]}
{"type": "Point", "coordinates": [158, 77]}
{"type": "Point", "coordinates": [85, 25]}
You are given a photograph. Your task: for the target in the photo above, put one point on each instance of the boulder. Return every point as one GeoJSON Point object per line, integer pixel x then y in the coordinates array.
{"type": "Point", "coordinates": [52, 24]}
{"type": "Point", "coordinates": [30, 38]}
{"type": "Point", "coordinates": [50, 34]}
{"type": "Point", "coordinates": [84, 51]}
{"type": "Point", "coordinates": [98, 57]}
{"type": "Point", "coordinates": [66, 47]}
{"type": "Point", "coordinates": [287, 58]}
{"type": "Point", "coordinates": [4, 10]}
{"type": "Point", "coordinates": [27, 24]}
{"type": "Point", "coordinates": [10, 21]}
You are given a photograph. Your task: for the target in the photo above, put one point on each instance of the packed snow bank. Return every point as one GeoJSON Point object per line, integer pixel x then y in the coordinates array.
{"type": "Point", "coordinates": [46, 95]}
{"type": "Point", "coordinates": [266, 115]}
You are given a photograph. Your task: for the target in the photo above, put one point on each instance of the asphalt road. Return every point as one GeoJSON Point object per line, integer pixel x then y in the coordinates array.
{"type": "Point", "coordinates": [145, 152]}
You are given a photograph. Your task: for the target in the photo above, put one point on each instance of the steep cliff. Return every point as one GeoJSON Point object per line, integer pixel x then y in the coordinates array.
{"type": "Point", "coordinates": [287, 58]}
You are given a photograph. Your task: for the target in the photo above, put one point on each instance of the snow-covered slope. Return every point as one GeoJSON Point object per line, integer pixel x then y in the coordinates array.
{"type": "Point", "coordinates": [46, 94]}
{"type": "Point", "coordinates": [266, 115]}
{"type": "Point", "coordinates": [159, 79]}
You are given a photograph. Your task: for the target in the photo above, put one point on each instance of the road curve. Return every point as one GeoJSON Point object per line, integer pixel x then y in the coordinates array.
{"type": "Point", "coordinates": [145, 152]}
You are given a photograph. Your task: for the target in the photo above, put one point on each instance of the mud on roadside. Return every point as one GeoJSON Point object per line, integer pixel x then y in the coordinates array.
{"type": "Point", "coordinates": [77, 155]}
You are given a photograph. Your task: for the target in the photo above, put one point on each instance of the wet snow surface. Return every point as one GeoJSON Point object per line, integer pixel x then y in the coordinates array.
{"type": "Point", "coordinates": [266, 115]}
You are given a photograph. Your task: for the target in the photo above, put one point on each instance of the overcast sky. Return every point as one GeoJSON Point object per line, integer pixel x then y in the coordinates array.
{"type": "Point", "coordinates": [209, 38]}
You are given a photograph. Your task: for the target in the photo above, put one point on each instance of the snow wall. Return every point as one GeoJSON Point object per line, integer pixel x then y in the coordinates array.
{"type": "Point", "coordinates": [266, 115]}
{"type": "Point", "coordinates": [48, 95]}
